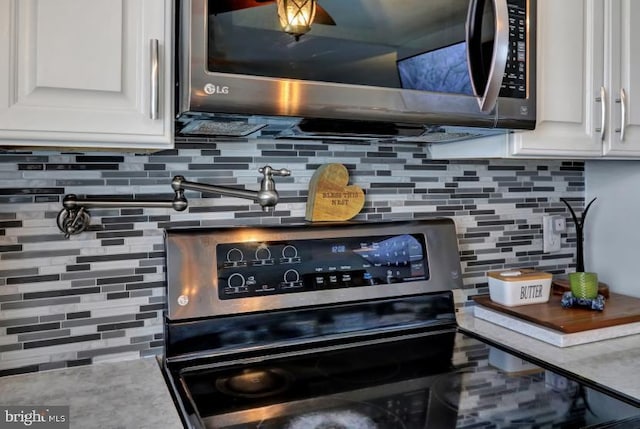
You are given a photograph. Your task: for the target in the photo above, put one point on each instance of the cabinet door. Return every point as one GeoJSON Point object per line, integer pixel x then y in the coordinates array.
{"type": "Point", "coordinates": [570, 73]}
{"type": "Point", "coordinates": [79, 73]}
{"type": "Point", "coordinates": [624, 52]}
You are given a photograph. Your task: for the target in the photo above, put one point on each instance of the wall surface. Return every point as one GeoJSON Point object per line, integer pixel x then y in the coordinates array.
{"type": "Point", "coordinates": [611, 233]}
{"type": "Point", "coordinates": [100, 295]}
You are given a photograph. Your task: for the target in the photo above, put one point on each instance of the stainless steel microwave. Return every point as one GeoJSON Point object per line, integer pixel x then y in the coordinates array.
{"type": "Point", "coordinates": [417, 64]}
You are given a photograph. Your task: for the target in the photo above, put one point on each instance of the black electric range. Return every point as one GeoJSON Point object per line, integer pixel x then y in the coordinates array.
{"type": "Point", "coordinates": [347, 326]}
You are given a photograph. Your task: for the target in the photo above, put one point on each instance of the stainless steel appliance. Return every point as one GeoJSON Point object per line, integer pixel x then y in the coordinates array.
{"type": "Point", "coordinates": [343, 326]}
{"type": "Point", "coordinates": [426, 70]}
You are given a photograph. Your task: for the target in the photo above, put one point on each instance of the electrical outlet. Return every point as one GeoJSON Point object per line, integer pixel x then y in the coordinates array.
{"type": "Point", "coordinates": [552, 227]}
{"type": "Point", "coordinates": [559, 224]}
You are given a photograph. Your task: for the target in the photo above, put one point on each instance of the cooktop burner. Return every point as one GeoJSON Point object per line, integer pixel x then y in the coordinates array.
{"type": "Point", "coordinates": [249, 383]}
{"type": "Point", "coordinates": [352, 416]}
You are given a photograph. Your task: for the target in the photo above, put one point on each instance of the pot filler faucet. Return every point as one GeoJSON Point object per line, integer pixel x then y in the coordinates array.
{"type": "Point", "coordinates": [74, 217]}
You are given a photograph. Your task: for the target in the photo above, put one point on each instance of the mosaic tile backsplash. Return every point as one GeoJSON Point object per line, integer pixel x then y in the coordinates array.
{"type": "Point", "coordinates": [100, 295]}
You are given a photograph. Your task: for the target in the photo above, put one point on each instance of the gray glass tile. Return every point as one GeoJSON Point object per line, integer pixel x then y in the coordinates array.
{"type": "Point", "coordinates": [98, 320]}
{"type": "Point", "coordinates": [19, 321]}
{"type": "Point", "coordinates": [109, 350]}
{"type": "Point", "coordinates": [35, 254]}
{"type": "Point", "coordinates": [112, 334]}
{"type": "Point", "coordinates": [44, 335]}
{"type": "Point", "coordinates": [40, 303]}
{"type": "Point", "coordinates": [11, 297]}
{"type": "Point", "coordinates": [51, 318]}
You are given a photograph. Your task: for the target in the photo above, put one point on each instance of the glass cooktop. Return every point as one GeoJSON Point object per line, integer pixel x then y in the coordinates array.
{"type": "Point", "coordinates": [444, 380]}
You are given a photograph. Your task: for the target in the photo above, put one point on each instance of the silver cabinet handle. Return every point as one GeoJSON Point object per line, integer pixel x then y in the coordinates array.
{"type": "Point", "coordinates": [623, 113]}
{"type": "Point", "coordinates": [155, 79]}
{"type": "Point", "coordinates": [488, 96]}
{"type": "Point", "coordinates": [603, 107]}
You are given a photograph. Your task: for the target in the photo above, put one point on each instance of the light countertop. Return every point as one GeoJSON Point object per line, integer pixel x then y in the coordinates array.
{"type": "Point", "coordinates": [613, 364]}
{"type": "Point", "coordinates": [121, 395]}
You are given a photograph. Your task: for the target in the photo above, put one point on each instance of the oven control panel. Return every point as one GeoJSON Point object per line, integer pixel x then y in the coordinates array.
{"type": "Point", "coordinates": [249, 269]}
{"type": "Point", "coordinates": [239, 270]}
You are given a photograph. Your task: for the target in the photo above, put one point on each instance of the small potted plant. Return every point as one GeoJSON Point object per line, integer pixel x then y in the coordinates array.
{"type": "Point", "coordinates": [583, 284]}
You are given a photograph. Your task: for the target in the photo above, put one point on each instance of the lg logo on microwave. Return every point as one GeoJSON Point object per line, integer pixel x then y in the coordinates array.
{"type": "Point", "coordinates": [211, 89]}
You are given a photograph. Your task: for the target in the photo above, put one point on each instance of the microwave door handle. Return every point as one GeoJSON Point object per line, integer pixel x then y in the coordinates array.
{"type": "Point", "coordinates": [474, 46]}
{"type": "Point", "coordinates": [487, 90]}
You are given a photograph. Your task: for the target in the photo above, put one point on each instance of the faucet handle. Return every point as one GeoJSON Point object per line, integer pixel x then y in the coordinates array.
{"type": "Point", "coordinates": [267, 195]}
{"type": "Point", "coordinates": [268, 171]}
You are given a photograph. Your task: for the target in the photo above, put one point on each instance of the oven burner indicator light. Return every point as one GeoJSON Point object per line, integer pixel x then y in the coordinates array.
{"type": "Point", "coordinates": [183, 300]}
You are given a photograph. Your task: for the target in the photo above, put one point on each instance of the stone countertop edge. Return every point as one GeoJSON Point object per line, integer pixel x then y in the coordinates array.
{"type": "Point", "coordinates": [128, 394]}
{"type": "Point", "coordinates": [610, 364]}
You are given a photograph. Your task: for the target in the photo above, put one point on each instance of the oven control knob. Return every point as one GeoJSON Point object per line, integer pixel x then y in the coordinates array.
{"type": "Point", "coordinates": [183, 300]}
{"type": "Point", "coordinates": [289, 255]}
{"type": "Point", "coordinates": [235, 255]}
{"type": "Point", "coordinates": [263, 253]}
{"type": "Point", "coordinates": [291, 279]}
{"type": "Point", "coordinates": [263, 256]}
{"type": "Point", "coordinates": [236, 283]}
{"type": "Point", "coordinates": [291, 276]}
{"type": "Point", "coordinates": [236, 280]}
{"type": "Point", "coordinates": [289, 251]}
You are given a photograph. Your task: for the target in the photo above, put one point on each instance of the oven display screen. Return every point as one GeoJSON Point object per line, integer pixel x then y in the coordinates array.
{"type": "Point", "coordinates": [277, 267]}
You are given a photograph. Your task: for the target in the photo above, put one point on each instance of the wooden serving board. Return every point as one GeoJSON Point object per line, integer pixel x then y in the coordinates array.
{"type": "Point", "coordinates": [618, 310]}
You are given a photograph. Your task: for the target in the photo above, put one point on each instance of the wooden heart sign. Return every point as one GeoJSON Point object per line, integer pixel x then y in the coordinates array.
{"type": "Point", "coordinates": [331, 198]}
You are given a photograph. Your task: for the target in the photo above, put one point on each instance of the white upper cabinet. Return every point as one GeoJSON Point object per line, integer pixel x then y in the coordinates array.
{"type": "Point", "coordinates": [570, 73]}
{"type": "Point", "coordinates": [86, 73]}
{"type": "Point", "coordinates": [623, 78]}
{"type": "Point", "coordinates": [588, 86]}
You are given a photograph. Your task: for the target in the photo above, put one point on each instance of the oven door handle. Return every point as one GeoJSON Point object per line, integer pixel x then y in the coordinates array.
{"type": "Point", "coordinates": [487, 87]}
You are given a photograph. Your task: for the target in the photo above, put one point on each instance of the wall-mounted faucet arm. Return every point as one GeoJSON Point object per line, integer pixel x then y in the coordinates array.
{"type": "Point", "coordinates": [267, 196]}
{"type": "Point", "coordinates": [74, 217]}
{"type": "Point", "coordinates": [71, 202]}
{"type": "Point", "coordinates": [180, 183]}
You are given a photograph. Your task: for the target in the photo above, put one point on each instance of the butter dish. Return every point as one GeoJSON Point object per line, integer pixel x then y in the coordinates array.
{"type": "Point", "coordinates": [519, 287]}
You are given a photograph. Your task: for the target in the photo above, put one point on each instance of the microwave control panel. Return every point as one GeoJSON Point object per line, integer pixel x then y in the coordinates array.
{"type": "Point", "coordinates": [514, 83]}
{"type": "Point", "coordinates": [283, 267]}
